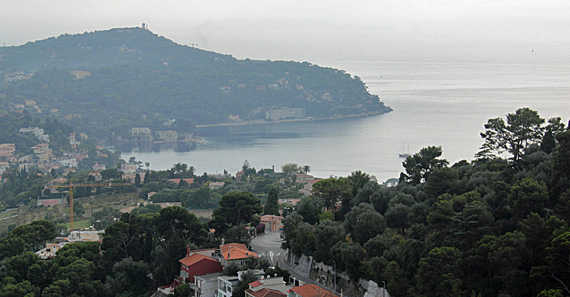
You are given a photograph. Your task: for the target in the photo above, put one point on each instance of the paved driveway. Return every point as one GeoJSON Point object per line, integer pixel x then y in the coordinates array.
{"type": "Point", "coordinates": [268, 245]}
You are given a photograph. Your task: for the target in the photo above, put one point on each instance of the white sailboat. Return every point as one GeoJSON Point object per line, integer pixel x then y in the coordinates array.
{"type": "Point", "coordinates": [404, 154]}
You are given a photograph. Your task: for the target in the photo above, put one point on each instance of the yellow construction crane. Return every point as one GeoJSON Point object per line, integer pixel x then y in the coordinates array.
{"type": "Point", "coordinates": [71, 186]}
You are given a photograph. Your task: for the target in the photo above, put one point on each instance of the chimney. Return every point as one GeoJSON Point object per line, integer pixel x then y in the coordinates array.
{"type": "Point", "coordinates": [187, 251]}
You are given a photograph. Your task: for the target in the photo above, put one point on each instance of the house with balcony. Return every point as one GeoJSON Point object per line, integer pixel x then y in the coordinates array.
{"type": "Point", "coordinates": [205, 285]}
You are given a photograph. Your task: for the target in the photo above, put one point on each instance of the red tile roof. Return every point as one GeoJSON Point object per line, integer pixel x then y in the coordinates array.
{"type": "Point", "coordinates": [265, 293]}
{"type": "Point", "coordinates": [271, 218]}
{"type": "Point", "coordinates": [255, 284]}
{"type": "Point", "coordinates": [234, 251]}
{"type": "Point", "coordinates": [178, 180]}
{"type": "Point", "coordinates": [195, 258]}
{"type": "Point", "coordinates": [312, 291]}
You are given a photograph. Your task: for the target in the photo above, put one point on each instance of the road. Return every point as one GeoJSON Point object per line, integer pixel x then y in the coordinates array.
{"type": "Point", "coordinates": [268, 245]}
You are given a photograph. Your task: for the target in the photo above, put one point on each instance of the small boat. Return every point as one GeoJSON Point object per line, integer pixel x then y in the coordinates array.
{"type": "Point", "coordinates": [404, 154]}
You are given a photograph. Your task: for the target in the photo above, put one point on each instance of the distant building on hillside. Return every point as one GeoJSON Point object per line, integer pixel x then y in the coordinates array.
{"type": "Point", "coordinates": [3, 167]}
{"type": "Point", "coordinates": [167, 136]}
{"type": "Point", "coordinates": [284, 113]}
{"type": "Point", "coordinates": [50, 200]}
{"type": "Point", "coordinates": [140, 132]}
{"type": "Point", "coordinates": [98, 167]}
{"type": "Point", "coordinates": [7, 149]}
{"type": "Point", "coordinates": [38, 133]}
{"type": "Point", "coordinates": [216, 185]}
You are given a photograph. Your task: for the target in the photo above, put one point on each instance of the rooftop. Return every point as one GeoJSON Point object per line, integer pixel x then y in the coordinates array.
{"type": "Point", "coordinates": [234, 251]}
{"type": "Point", "coordinates": [195, 258]}
{"type": "Point", "coordinates": [312, 291]}
{"type": "Point", "coordinates": [265, 293]}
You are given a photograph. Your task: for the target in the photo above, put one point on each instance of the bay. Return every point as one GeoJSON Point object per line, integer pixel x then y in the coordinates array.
{"type": "Point", "coordinates": [434, 103]}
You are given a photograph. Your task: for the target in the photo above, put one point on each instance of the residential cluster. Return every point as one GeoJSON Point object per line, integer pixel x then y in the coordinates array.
{"type": "Point", "coordinates": [42, 156]}
{"type": "Point", "coordinates": [51, 249]}
{"type": "Point", "coordinates": [202, 271]}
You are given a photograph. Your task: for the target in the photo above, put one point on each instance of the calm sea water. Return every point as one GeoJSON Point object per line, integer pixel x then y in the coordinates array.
{"type": "Point", "coordinates": [435, 103]}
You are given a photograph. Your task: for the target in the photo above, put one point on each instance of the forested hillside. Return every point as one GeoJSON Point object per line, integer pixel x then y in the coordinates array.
{"type": "Point", "coordinates": [107, 82]}
{"type": "Point", "coordinates": [496, 226]}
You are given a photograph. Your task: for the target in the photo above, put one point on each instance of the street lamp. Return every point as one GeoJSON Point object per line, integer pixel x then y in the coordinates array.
{"type": "Point", "coordinates": [334, 270]}
{"type": "Point", "coordinates": [384, 290]}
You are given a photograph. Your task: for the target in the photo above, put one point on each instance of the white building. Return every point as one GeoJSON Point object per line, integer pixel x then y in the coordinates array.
{"type": "Point", "coordinates": [284, 113]}
{"type": "Point", "coordinates": [38, 133]}
{"type": "Point", "coordinates": [226, 283]}
{"type": "Point", "coordinates": [70, 162]}
{"type": "Point", "coordinates": [205, 285]}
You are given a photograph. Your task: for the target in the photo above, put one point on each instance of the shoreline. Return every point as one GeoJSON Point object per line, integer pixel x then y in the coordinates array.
{"type": "Point", "coordinates": [308, 119]}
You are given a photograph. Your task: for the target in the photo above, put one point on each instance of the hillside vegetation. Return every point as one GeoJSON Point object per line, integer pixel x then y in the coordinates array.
{"type": "Point", "coordinates": [106, 82]}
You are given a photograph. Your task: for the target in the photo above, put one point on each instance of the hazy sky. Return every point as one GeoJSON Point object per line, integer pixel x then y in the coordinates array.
{"type": "Point", "coordinates": [305, 30]}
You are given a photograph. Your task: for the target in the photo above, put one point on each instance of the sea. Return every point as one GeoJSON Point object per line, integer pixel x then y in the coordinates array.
{"type": "Point", "coordinates": [436, 102]}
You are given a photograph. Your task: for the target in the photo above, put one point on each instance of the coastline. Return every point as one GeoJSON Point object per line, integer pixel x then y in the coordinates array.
{"type": "Point", "coordinates": [387, 109]}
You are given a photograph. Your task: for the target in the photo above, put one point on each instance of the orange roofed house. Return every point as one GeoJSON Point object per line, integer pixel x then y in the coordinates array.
{"type": "Point", "coordinates": [309, 291]}
{"type": "Point", "coordinates": [264, 293]}
{"type": "Point", "coordinates": [235, 253]}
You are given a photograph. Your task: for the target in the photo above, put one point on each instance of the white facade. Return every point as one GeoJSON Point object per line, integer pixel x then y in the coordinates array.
{"type": "Point", "coordinates": [205, 285]}
{"type": "Point", "coordinates": [226, 284]}
{"type": "Point", "coordinates": [71, 162]}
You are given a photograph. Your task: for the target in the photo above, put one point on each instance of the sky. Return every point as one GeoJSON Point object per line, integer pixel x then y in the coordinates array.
{"type": "Point", "coordinates": [314, 30]}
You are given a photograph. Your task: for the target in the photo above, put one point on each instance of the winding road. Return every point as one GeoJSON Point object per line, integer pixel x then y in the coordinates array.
{"type": "Point", "coordinates": [268, 246]}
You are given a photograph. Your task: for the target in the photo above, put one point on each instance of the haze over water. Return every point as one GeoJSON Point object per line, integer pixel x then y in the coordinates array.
{"type": "Point", "coordinates": [440, 100]}
{"type": "Point", "coordinates": [444, 66]}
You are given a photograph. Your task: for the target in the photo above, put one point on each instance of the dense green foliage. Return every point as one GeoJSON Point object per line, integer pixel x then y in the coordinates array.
{"type": "Point", "coordinates": [138, 79]}
{"type": "Point", "coordinates": [133, 248]}
{"type": "Point", "coordinates": [10, 124]}
{"type": "Point", "coordinates": [236, 208]}
{"type": "Point", "coordinates": [491, 227]}
{"type": "Point", "coordinates": [272, 205]}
